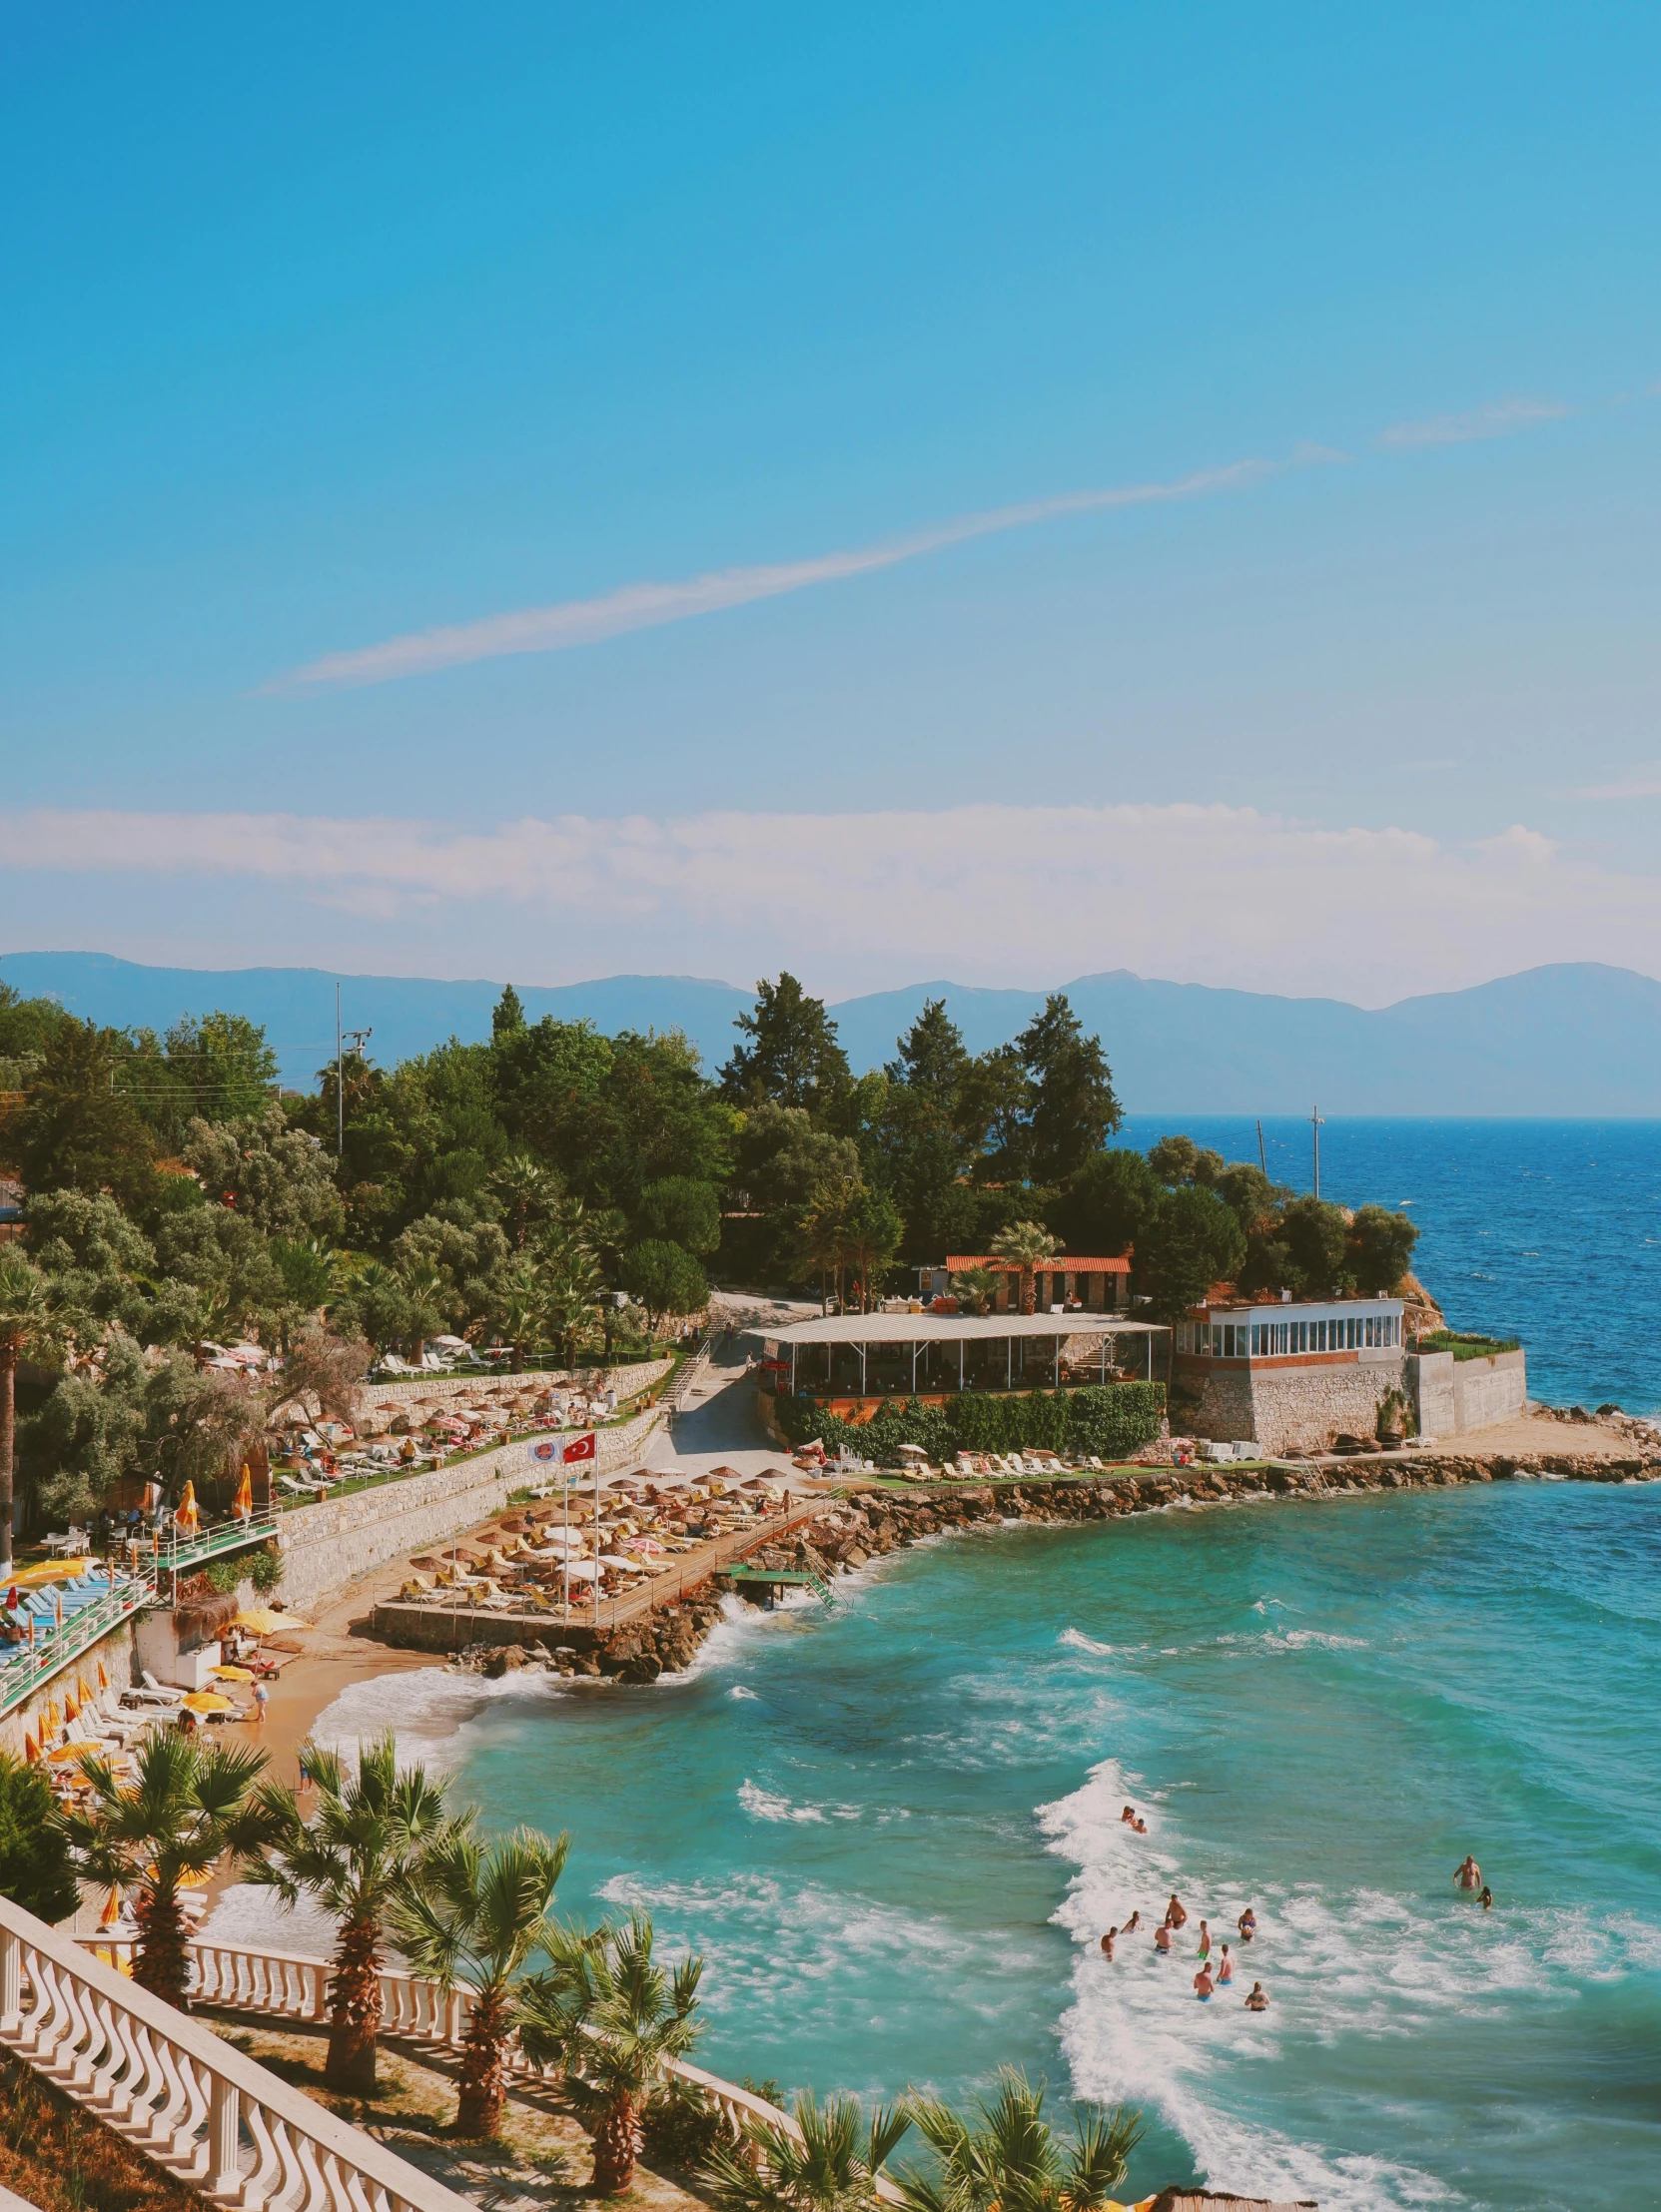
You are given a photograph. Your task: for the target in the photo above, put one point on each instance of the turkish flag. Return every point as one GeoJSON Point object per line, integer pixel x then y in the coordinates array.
{"type": "Point", "coordinates": [581, 1447]}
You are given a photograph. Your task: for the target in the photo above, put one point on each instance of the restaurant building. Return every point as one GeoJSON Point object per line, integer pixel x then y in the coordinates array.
{"type": "Point", "coordinates": [1067, 1285]}
{"type": "Point", "coordinates": [1286, 1376]}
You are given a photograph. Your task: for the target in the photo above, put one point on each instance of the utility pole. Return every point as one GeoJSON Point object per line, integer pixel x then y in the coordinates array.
{"type": "Point", "coordinates": [358, 1038]}
{"type": "Point", "coordinates": [1263, 1156]}
{"type": "Point", "coordinates": [1316, 1125]}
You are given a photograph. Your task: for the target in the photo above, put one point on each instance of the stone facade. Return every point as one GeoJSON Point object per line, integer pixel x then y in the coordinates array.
{"type": "Point", "coordinates": [1286, 1405]}
{"type": "Point", "coordinates": [1453, 1397]}
{"type": "Point", "coordinates": [326, 1545]}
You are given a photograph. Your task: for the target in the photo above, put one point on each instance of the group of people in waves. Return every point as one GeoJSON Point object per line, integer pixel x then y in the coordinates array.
{"type": "Point", "coordinates": [1213, 1974]}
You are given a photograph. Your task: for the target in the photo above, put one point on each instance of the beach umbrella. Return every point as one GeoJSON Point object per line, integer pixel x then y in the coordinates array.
{"type": "Point", "coordinates": [261, 1620]}
{"type": "Point", "coordinates": [186, 1516]}
{"type": "Point", "coordinates": [72, 1706]}
{"type": "Point", "coordinates": [233, 1674]}
{"type": "Point", "coordinates": [242, 1502]}
{"type": "Point", "coordinates": [64, 1753]}
{"type": "Point", "coordinates": [210, 1701]}
{"type": "Point", "coordinates": [51, 1720]}
{"type": "Point", "coordinates": [112, 1909]}
{"type": "Point", "coordinates": [103, 1678]}
{"type": "Point", "coordinates": [31, 1749]}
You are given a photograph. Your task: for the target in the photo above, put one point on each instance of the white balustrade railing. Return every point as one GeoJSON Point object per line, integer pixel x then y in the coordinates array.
{"type": "Point", "coordinates": [191, 2102]}
{"type": "Point", "coordinates": [251, 1978]}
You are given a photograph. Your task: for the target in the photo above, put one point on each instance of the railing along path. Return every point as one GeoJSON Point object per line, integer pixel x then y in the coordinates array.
{"type": "Point", "coordinates": [211, 2117]}
{"type": "Point", "coordinates": [292, 1985]}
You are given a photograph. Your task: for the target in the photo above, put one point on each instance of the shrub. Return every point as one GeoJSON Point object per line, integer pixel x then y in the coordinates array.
{"type": "Point", "coordinates": [267, 1569]}
{"type": "Point", "coordinates": [224, 1575]}
{"type": "Point", "coordinates": [1104, 1421]}
{"type": "Point", "coordinates": [34, 1858]}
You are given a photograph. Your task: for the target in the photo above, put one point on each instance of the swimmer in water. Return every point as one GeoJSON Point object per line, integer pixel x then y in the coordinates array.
{"type": "Point", "coordinates": [1258, 2002]}
{"type": "Point", "coordinates": [1128, 1815]}
{"type": "Point", "coordinates": [1224, 1968]}
{"type": "Point", "coordinates": [1131, 1924]}
{"type": "Point", "coordinates": [1248, 1924]}
{"type": "Point", "coordinates": [1139, 1824]}
{"type": "Point", "coordinates": [1204, 1951]}
{"type": "Point", "coordinates": [1162, 1939]}
{"type": "Point", "coordinates": [1467, 1875]}
{"type": "Point", "coordinates": [1175, 1914]}
{"type": "Point", "coordinates": [1107, 1942]}
{"type": "Point", "coordinates": [1202, 1984]}
{"type": "Point", "coordinates": [1486, 1899]}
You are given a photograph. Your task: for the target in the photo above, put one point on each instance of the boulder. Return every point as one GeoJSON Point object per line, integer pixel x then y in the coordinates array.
{"type": "Point", "coordinates": [508, 1659]}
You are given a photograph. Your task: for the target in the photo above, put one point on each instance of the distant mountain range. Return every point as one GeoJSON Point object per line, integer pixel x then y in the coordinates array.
{"type": "Point", "coordinates": [1569, 1039]}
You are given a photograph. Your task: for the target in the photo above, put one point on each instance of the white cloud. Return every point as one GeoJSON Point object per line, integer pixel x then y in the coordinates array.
{"type": "Point", "coordinates": [1640, 782]}
{"type": "Point", "coordinates": [1501, 420]}
{"type": "Point", "coordinates": [987, 894]}
{"type": "Point", "coordinates": [640, 607]}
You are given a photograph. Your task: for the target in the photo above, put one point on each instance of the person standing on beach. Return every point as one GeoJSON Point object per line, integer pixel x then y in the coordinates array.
{"type": "Point", "coordinates": [262, 1697]}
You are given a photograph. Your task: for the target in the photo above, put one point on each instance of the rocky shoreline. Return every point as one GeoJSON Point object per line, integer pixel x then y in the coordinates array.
{"type": "Point", "coordinates": [867, 1523]}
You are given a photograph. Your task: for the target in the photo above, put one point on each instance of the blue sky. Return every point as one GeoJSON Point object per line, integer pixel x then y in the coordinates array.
{"type": "Point", "coordinates": [331, 330]}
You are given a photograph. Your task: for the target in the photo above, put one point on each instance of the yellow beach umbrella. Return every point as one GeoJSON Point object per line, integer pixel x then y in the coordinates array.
{"type": "Point", "coordinates": [66, 1751]}
{"type": "Point", "coordinates": [84, 1689]}
{"type": "Point", "coordinates": [210, 1701]}
{"type": "Point", "coordinates": [51, 1721]}
{"type": "Point", "coordinates": [103, 1678]}
{"type": "Point", "coordinates": [233, 1674]}
{"type": "Point", "coordinates": [261, 1620]}
{"type": "Point", "coordinates": [186, 1515]}
{"type": "Point", "coordinates": [31, 1749]}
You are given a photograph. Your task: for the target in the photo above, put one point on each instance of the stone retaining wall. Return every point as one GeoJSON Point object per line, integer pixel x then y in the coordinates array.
{"type": "Point", "coordinates": [1290, 1407]}
{"type": "Point", "coordinates": [115, 1650]}
{"type": "Point", "coordinates": [326, 1545]}
{"type": "Point", "coordinates": [1454, 1396]}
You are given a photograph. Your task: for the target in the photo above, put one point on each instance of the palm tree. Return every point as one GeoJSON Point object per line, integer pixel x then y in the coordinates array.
{"type": "Point", "coordinates": [528, 1192]}
{"type": "Point", "coordinates": [1005, 2156]}
{"type": "Point", "coordinates": [520, 1304]}
{"type": "Point", "coordinates": [1028, 1246]}
{"type": "Point", "coordinates": [476, 1915]}
{"type": "Point", "coordinates": [976, 1288]}
{"type": "Point", "coordinates": [357, 1855]}
{"type": "Point", "coordinates": [611, 2019]}
{"type": "Point", "coordinates": [424, 1306]}
{"type": "Point", "coordinates": [831, 2166]}
{"type": "Point", "coordinates": [27, 1325]}
{"type": "Point", "coordinates": [190, 1805]}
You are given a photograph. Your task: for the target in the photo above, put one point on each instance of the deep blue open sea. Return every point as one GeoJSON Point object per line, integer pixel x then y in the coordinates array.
{"type": "Point", "coordinates": [1545, 1231]}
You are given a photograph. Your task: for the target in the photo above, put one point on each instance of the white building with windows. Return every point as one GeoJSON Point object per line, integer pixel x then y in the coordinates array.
{"type": "Point", "coordinates": [1287, 1376]}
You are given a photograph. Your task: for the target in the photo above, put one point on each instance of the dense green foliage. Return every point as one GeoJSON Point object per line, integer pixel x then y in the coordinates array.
{"type": "Point", "coordinates": [510, 1192]}
{"type": "Point", "coordinates": [35, 1870]}
{"type": "Point", "coordinates": [1101, 1421]}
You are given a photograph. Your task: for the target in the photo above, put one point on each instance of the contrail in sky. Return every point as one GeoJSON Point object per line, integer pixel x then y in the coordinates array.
{"type": "Point", "coordinates": [641, 606]}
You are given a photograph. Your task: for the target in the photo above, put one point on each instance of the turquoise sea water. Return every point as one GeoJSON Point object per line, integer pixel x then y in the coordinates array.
{"type": "Point", "coordinates": [1545, 1231]}
{"type": "Point", "coordinates": [893, 1832]}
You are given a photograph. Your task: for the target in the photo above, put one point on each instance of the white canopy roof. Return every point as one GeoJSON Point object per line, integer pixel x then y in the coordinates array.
{"type": "Point", "coordinates": [949, 1329]}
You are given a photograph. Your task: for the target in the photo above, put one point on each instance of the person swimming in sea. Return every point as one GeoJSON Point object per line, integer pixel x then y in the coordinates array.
{"type": "Point", "coordinates": [1139, 1824]}
{"type": "Point", "coordinates": [1224, 1968]}
{"type": "Point", "coordinates": [1486, 1899]}
{"type": "Point", "coordinates": [1131, 1924]}
{"type": "Point", "coordinates": [1203, 1985]}
{"type": "Point", "coordinates": [1467, 1875]}
{"type": "Point", "coordinates": [1204, 1951]}
{"type": "Point", "coordinates": [1258, 2002]}
{"type": "Point", "coordinates": [1106, 1943]}
{"type": "Point", "coordinates": [1175, 1914]}
{"type": "Point", "coordinates": [1162, 1939]}
{"type": "Point", "coordinates": [1248, 1924]}
{"type": "Point", "coordinates": [1128, 1817]}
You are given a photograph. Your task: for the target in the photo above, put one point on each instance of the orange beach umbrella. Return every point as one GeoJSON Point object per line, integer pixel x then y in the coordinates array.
{"type": "Point", "coordinates": [242, 1502]}
{"type": "Point", "coordinates": [187, 1517]}
{"type": "Point", "coordinates": [112, 1909]}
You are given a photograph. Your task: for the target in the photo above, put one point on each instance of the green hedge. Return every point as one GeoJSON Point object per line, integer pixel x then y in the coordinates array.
{"type": "Point", "coordinates": [1103, 1422]}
